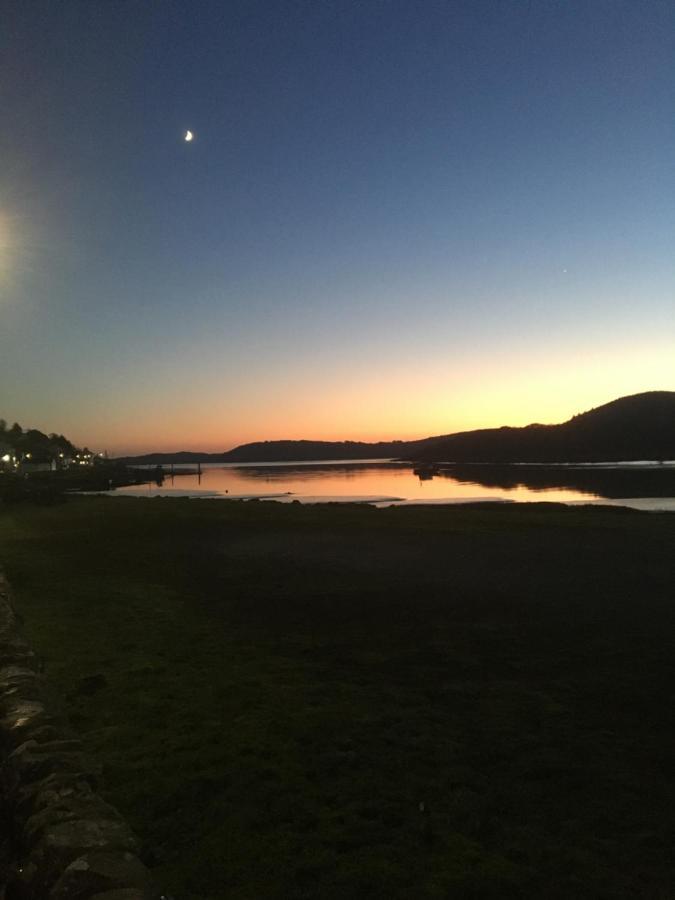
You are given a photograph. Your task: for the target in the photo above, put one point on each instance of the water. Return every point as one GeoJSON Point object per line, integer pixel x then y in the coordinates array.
{"type": "Point", "coordinates": [644, 486]}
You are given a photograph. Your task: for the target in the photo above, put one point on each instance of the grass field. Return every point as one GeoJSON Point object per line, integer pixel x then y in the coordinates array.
{"type": "Point", "coordinates": [274, 690]}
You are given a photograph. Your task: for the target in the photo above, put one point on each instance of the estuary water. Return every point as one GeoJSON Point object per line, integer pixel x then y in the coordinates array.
{"type": "Point", "coordinates": [383, 482]}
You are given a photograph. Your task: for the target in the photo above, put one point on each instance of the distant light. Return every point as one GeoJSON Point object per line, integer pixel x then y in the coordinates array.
{"type": "Point", "coordinates": [28, 455]}
{"type": "Point", "coordinates": [189, 136]}
{"type": "Point", "coordinates": [6, 457]}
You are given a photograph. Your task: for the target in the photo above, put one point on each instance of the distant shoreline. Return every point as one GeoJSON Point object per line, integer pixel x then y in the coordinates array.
{"type": "Point", "coordinates": [631, 429]}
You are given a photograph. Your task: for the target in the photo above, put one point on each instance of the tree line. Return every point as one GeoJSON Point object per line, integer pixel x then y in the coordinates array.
{"type": "Point", "coordinates": [34, 444]}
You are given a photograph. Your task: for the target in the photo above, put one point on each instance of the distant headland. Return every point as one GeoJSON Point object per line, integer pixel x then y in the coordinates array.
{"type": "Point", "coordinates": [640, 426]}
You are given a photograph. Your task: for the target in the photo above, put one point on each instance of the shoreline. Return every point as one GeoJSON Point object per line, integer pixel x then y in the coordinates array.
{"type": "Point", "coordinates": [639, 504]}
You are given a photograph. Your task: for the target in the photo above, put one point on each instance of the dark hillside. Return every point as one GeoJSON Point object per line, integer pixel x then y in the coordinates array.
{"type": "Point", "coordinates": [641, 426]}
{"type": "Point", "coordinates": [281, 451]}
{"type": "Point", "coordinates": [285, 451]}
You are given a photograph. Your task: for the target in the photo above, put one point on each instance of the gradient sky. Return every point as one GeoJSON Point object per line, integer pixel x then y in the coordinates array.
{"type": "Point", "coordinates": [396, 219]}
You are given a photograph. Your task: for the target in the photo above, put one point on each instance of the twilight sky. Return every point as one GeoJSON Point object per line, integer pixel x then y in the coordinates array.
{"type": "Point", "coordinates": [396, 219]}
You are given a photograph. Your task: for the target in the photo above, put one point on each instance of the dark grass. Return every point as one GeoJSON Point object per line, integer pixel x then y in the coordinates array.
{"type": "Point", "coordinates": [273, 690]}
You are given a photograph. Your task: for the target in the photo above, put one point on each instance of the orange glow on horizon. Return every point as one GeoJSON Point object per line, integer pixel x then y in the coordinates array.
{"type": "Point", "coordinates": [393, 406]}
{"type": "Point", "coordinates": [379, 401]}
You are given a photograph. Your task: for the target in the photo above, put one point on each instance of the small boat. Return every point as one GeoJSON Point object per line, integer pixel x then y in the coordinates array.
{"type": "Point", "coordinates": [425, 471]}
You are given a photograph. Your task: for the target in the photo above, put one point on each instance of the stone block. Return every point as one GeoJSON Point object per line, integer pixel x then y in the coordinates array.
{"type": "Point", "coordinates": [15, 651]}
{"type": "Point", "coordinates": [70, 839]}
{"type": "Point", "coordinates": [11, 676]}
{"type": "Point", "coordinates": [69, 809]}
{"type": "Point", "coordinates": [50, 791]}
{"type": "Point", "coordinates": [94, 873]}
{"type": "Point", "coordinates": [33, 762]}
{"type": "Point", "coordinates": [23, 716]}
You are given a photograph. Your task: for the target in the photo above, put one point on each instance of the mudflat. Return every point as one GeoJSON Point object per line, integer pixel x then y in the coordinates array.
{"type": "Point", "coordinates": [338, 701]}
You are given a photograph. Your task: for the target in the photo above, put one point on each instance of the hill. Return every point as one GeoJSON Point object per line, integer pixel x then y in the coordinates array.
{"type": "Point", "coordinates": [163, 459]}
{"type": "Point", "coordinates": [266, 451]}
{"type": "Point", "coordinates": [285, 451]}
{"type": "Point", "coordinates": [641, 426]}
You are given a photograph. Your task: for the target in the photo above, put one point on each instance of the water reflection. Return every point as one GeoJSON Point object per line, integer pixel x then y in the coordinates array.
{"type": "Point", "coordinates": [387, 481]}
{"type": "Point", "coordinates": [611, 482]}
{"type": "Point", "coordinates": [364, 472]}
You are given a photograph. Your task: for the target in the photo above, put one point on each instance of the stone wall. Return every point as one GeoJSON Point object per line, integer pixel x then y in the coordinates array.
{"type": "Point", "coordinates": [64, 840]}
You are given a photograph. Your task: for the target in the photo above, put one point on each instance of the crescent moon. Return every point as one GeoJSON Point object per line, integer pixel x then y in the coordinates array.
{"type": "Point", "coordinates": [188, 135]}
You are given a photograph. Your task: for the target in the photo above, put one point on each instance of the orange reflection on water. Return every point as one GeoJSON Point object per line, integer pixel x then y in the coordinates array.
{"type": "Point", "coordinates": [340, 481]}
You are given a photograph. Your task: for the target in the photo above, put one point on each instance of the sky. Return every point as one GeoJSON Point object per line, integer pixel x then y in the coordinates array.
{"type": "Point", "coordinates": [395, 220]}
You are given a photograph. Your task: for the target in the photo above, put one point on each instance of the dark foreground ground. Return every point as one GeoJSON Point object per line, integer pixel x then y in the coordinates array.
{"type": "Point", "coordinates": [344, 702]}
